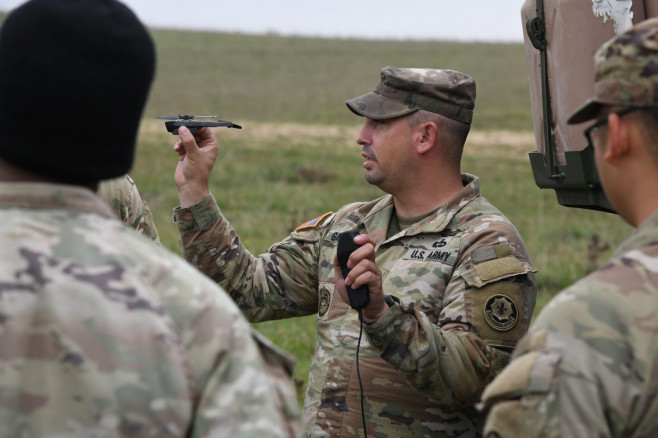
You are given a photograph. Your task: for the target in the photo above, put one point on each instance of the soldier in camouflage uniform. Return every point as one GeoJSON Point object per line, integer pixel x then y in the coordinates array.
{"type": "Point", "coordinates": [103, 333]}
{"type": "Point", "coordinates": [450, 282]}
{"type": "Point", "coordinates": [589, 365]}
{"type": "Point", "coordinates": [124, 198]}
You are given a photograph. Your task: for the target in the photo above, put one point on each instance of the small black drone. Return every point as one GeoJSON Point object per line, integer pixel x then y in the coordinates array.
{"type": "Point", "coordinates": [193, 125]}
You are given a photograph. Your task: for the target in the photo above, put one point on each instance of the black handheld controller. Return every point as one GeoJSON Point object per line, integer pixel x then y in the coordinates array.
{"type": "Point", "coordinates": [358, 297]}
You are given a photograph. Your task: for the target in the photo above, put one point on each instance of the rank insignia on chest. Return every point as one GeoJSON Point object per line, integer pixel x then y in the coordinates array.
{"type": "Point", "coordinates": [501, 312]}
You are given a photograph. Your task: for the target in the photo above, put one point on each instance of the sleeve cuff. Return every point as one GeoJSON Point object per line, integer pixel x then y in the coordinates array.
{"type": "Point", "coordinates": [382, 327]}
{"type": "Point", "coordinates": [200, 215]}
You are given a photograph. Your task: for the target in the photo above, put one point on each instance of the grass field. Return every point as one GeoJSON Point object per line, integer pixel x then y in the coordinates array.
{"type": "Point", "coordinates": [306, 80]}
{"type": "Point", "coordinates": [274, 176]}
{"type": "Point", "coordinates": [296, 157]}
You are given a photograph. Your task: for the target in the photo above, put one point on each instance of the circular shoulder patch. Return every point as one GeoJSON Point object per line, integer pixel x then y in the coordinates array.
{"type": "Point", "coordinates": [325, 300]}
{"type": "Point", "coordinates": [501, 312]}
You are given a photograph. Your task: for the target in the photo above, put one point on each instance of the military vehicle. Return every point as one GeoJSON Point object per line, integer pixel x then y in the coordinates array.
{"type": "Point", "coordinates": [561, 37]}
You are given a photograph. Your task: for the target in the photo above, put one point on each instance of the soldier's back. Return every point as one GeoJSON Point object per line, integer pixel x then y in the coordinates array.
{"type": "Point", "coordinates": [606, 330]}
{"type": "Point", "coordinates": [589, 364]}
{"type": "Point", "coordinates": [107, 334]}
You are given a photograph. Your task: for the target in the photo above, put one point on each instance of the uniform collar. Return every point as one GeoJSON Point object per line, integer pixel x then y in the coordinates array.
{"type": "Point", "coordinates": [52, 196]}
{"type": "Point", "coordinates": [380, 215]}
{"type": "Point", "coordinates": [645, 234]}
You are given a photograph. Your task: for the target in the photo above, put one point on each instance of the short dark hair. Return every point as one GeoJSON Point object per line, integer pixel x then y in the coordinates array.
{"type": "Point", "coordinates": [648, 126]}
{"type": "Point", "coordinates": [454, 131]}
{"type": "Point", "coordinates": [646, 120]}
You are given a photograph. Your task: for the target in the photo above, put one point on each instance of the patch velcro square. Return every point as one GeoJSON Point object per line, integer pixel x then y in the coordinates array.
{"type": "Point", "coordinates": [499, 268]}
{"type": "Point", "coordinates": [490, 252]}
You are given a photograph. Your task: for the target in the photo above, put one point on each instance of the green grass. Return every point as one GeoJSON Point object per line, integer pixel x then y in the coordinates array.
{"type": "Point", "coordinates": [306, 80]}
{"type": "Point", "coordinates": [296, 158]}
{"type": "Point", "coordinates": [273, 177]}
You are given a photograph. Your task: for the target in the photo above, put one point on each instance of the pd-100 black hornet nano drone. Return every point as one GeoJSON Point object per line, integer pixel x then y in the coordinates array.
{"type": "Point", "coordinates": [175, 122]}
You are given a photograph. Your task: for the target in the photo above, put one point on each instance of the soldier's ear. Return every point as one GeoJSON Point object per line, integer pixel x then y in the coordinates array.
{"type": "Point", "coordinates": [427, 134]}
{"type": "Point", "coordinates": [618, 139]}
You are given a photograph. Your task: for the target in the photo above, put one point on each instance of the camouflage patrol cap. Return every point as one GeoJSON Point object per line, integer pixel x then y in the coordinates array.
{"type": "Point", "coordinates": [405, 90]}
{"type": "Point", "coordinates": [625, 72]}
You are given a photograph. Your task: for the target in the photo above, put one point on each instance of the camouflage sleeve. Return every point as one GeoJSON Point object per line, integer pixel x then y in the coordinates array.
{"type": "Point", "coordinates": [528, 393]}
{"type": "Point", "coordinates": [106, 335]}
{"type": "Point", "coordinates": [487, 308]}
{"type": "Point", "coordinates": [124, 198]}
{"type": "Point", "coordinates": [280, 367]}
{"type": "Point", "coordinates": [246, 391]}
{"type": "Point", "coordinates": [445, 365]}
{"type": "Point", "coordinates": [587, 367]}
{"type": "Point", "coordinates": [274, 285]}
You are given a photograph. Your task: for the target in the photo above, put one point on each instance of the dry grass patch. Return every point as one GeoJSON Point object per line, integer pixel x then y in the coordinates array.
{"type": "Point", "coordinates": [480, 143]}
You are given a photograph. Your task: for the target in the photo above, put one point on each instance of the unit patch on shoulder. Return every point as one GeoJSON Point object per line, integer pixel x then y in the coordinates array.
{"type": "Point", "coordinates": [325, 301]}
{"type": "Point", "coordinates": [501, 312]}
{"type": "Point", "coordinates": [313, 223]}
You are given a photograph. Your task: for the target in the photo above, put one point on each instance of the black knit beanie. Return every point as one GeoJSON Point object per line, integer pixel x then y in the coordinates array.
{"type": "Point", "coordinates": [74, 78]}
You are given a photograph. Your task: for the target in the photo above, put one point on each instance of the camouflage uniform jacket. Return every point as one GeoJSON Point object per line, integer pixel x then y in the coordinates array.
{"type": "Point", "coordinates": [124, 198]}
{"type": "Point", "coordinates": [456, 266]}
{"type": "Point", "coordinates": [103, 333]}
{"type": "Point", "coordinates": [589, 365]}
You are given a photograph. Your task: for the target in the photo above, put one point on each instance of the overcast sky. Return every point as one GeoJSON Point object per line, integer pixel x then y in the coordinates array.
{"type": "Point", "coordinates": [461, 20]}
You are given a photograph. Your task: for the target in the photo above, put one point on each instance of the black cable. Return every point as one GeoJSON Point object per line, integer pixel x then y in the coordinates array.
{"type": "Point", "coordinates": [358, 374]}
